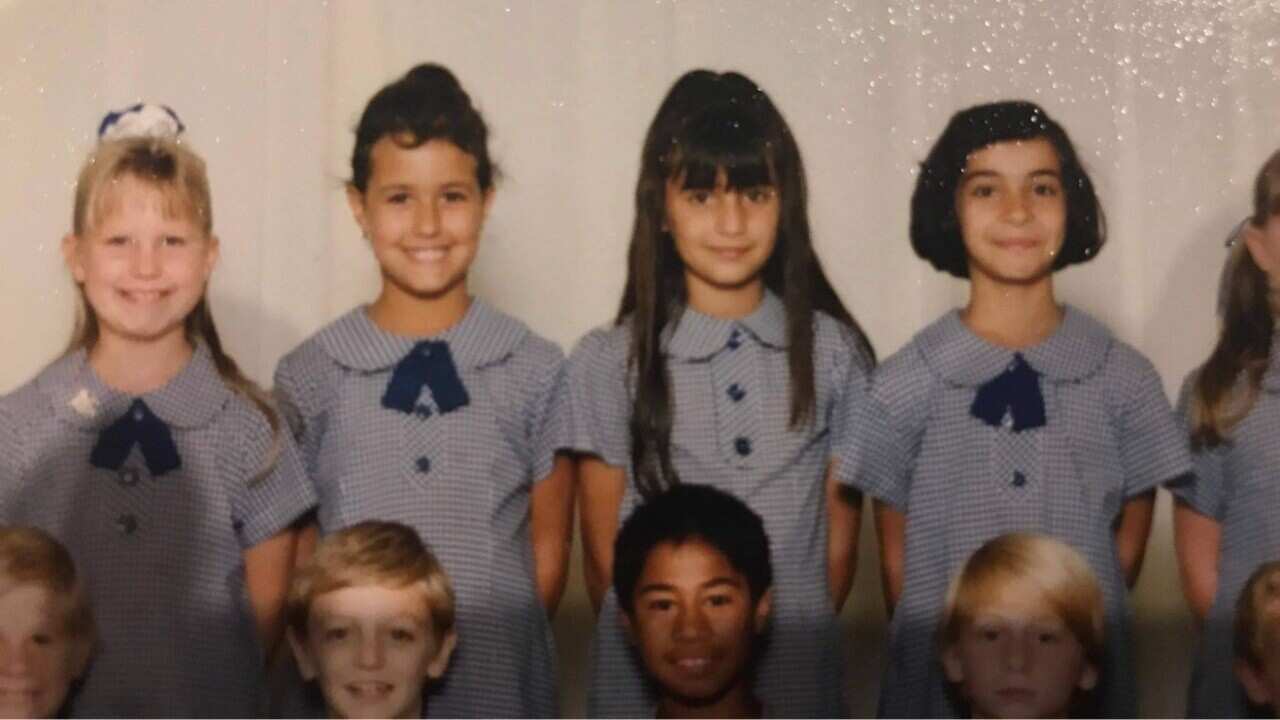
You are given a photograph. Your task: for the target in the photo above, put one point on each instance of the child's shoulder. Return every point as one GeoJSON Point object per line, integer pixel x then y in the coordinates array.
{"type": "Point", "coordinates": [610, 341]}
{"type": "Point", "coordinates": [840, 342]}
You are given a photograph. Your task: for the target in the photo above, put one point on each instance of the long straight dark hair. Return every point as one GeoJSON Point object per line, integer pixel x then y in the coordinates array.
{"type": "Point", "coordinates": [711, 122]}
{"type": "Point", "coordinates": [1248, 322]}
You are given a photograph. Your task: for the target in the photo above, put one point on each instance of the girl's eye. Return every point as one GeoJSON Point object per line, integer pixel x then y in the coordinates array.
{"type": "Point", "coordinates": [760, 195]}
{"type": "Point", "coordinates": [983, 191]}
{"type": "Point", "coordinates": [42, 639]}
{"type": "Point", "coordinates": [335, 634]}
{"type": "Point", "coordinates": [456, 196]}
{"type": "Point", "coordinates": [398, 198]}
{"type": "Point", "coordinates": [699, 197]}
{"type": "Point", "coordinates": [117, 240]}
{"type": "Point", "coordinates": [175, 241]}
{"type": "Point", "coordinates": [1049, 638]}
{"type": "Point", "coordinates": [989, 634]}
{"type": "Point", "coordinates": [1045, 189]}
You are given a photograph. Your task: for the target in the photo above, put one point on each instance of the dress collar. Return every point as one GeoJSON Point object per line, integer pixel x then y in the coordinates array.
{"type": "Point", "coordinates": [697, 336]}
{"type": "Point", "coordinates": [1076, 349]}
{"type": "Point", "coordinates": [191, 399]}
{"type": "Point", "coordinates": [482, 337]}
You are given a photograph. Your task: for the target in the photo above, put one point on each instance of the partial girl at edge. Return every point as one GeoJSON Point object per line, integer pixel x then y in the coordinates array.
{"type": "Point", "coordinates": [432, 408]}
{"type": "Point", "coordinates": [164, 470]}
{"type": "Point", "coordinates": [1013, 413]}
{"type": "Point", "coordinates": [1224, 520]}
{"type": "Point", "coordinates": [729, 363]}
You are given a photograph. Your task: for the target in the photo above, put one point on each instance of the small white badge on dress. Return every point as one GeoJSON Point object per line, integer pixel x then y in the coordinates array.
{"type": "Point", "coordinates": [84, 403]}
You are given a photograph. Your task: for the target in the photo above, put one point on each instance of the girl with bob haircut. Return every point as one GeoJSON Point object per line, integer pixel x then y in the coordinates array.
{"type": "Point", "coordinates": [45, 623]}
{"type": "Point", "coordinates": [1231, 408]}
{"type": "Point", "coordinates": [729, 363]}
{"type": "Point", "coordinates": [147, 453]}
{"type": "Point", "coordinates": [1013, 413]}
{"type": "Point", "coordinates": [1023, 617]}
{"type": "Point", "coordinates": [432, 408]}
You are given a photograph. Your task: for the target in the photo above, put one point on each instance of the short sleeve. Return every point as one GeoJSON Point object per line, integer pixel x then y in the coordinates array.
{"type": "Point", "coordinates": [849, 377]}
{"type": "Point", "coordinates": [1153, 447]}
{"type": "Point", "coordinates": [10, 444]}
{"type": "Point", "coordinates": [600, 409]}
{"type": "Point", "coordinates": [1203, 489]}
{"type": "Point", "coordinates": [548, 412]}
{"type": "Point", "coordinates": [886, 420]}
{"type": "Point", "coordinates": [265, 497]}
{"type": "Point", "coordinates": [298, 384]}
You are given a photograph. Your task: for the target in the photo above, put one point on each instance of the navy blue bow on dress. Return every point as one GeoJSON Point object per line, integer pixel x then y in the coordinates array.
{"type": "Point", "coordinates": [429, 363]}
{"type": "Point", "coordinates": [137, 426]}
{"type": "Point", "coordinates": [1016, 391]}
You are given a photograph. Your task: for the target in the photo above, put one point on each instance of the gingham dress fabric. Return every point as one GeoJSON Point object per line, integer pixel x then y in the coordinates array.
{"type": "Point", "coordinates": [730, 386]}
{"type": "Point", "coordinates": [161, 556]}
{"type": "Point", "coordinates": [1235, 484]}
{"type": "Point", "coordinates": [1109, 435]}
{"type": "Point", "coordinates": [461, 478]}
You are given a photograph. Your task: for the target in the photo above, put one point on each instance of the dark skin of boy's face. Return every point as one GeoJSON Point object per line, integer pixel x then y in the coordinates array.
{"type": "Point", "coordinates": [695, 626]}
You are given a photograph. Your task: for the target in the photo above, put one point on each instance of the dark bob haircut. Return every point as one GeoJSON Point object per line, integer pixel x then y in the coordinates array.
{"type": "Point", "coordinates": [426, 104]}
{"type": "Point", "coordinates": [935, 228]}
{"type": "Point", "coordinates": [692, 512]}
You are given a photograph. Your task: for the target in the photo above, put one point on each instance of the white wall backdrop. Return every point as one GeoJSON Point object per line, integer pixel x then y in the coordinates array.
{"type": "Point", "coordinates": [1172, 103]}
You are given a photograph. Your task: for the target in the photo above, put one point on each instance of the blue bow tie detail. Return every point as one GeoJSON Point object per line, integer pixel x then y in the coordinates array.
{"type": "Point", "coordinates": [429, 363]}
{"type": "Point", "coordinates": [137, 426]}
{"type": "Point", "coordinates": [1015, 391]}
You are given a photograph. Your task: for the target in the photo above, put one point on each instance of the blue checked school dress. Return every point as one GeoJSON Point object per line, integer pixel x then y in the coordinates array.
{"type": "Point", "coordinates": [971, 441]}
{"type": "Point", "coordinates": [157, 498]}
{"type": "Point", "coordinates": [447, 435]}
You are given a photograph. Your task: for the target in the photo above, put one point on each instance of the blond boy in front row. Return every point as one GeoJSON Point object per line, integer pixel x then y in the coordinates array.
{"type": "Point", "coordinates": [46, 629]}
{"type": "Point", "coordinates": [371, 621]}
{"type": "Point", "coordinates": [1022, 631]}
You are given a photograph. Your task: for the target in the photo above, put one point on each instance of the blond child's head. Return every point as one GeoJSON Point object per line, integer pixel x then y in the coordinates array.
{"type": "Point", "coordinates": [371, 619]}
{"type": "Point", "coordinates": [1257, 636]}
{"type": "Point", "coordinates": [46, 627]}
{"type": "Point", "coordinates": [1022, 631]}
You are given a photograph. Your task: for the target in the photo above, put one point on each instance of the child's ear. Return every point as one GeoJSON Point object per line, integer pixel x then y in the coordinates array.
{"type": "Point", "coordinates": [71, 256]}
{"type": "Point", "coordinates": [440, 662]}
{"type": "Point", "coordinates": [951, 664]}
{"type": "Point", "coordinates": [1255, 243]}
{"type": "Point", "coordinates": [1088, 677]}
{"type": "Point", "coordinates": [355, 199]}
{"type": "Point", "coordinates": [306, 663]}
{"type": "Point", "coordinates": [628, 625]}
{"type": "Point", "coordinates": [212, 256]}
{"type": "Point", "coordinates": [1254, 684]}
{"type": "Point", "coordinates": [763, 609]}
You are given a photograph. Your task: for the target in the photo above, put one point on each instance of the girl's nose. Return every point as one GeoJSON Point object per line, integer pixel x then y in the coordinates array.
{"type": "Point", "coordinates": [371, 651]}
{"type": "Point", "coordinates": [146, 259]}
{"type": "Point", "coordinates": [427, 219]}
{"type": "Point", "coordinates": [730, 215]}
{"type": "Point", "coordinates": [1017, 208]}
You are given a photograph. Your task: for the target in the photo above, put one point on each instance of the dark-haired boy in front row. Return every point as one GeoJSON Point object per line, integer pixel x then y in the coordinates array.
{"type": "Point", "coordinates": [371, 621]}
{"type": "Point", "coordinates": [694, 581]}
